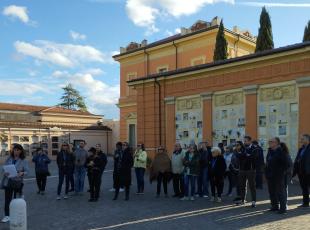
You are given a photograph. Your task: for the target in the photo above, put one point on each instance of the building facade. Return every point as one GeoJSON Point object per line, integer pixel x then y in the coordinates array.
{"type": "Point", "coordinates": [263, 95]}
{"type": "Point", "coordinates": [49, 127]}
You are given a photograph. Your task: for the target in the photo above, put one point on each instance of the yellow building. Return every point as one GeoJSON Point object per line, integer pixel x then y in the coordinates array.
{"type": "Point", "coordinates": [31, 126]}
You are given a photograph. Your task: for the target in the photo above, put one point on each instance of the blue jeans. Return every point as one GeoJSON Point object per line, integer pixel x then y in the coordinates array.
{"type": "Point", "coordinates": [63, 176]}
{"type": "Point", "coordinates": [203, 182]}
{"type": "Point", "coordinates": [79, 172]}
{"type": "Point", "coordinates": [140, 178]}
{"type": "Point", "coordinates": [189, 180]}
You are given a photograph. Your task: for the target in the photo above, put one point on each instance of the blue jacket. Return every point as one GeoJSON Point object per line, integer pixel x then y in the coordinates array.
{"type": "Point", "coordinates": [41, 163]}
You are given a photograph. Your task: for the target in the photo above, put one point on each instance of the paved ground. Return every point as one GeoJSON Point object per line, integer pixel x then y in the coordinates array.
{"type": "Point", "coordinates": [148, 212]}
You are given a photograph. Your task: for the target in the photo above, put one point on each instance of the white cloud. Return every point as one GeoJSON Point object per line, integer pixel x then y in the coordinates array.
{"type": "Point", "coordinates": [66, 55]}
{"type": "Point", "coordinates": [77, 36]}
{"type": "Point", "coordinates": [275, 4]}
{"type": "Point", "coordinates": [95, 71]}
{"type": "Point", "coordinates": [18, 12]}
{"type": "Point", "coordinates": [15, 88]}
{"type": "Point", "coordinates": [144, 13]}
{"type": "Point", "coordinates": [171, 33]}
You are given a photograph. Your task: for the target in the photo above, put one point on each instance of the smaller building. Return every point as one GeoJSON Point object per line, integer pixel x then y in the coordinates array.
{"type": "Point", "coordinates": [49, 127]}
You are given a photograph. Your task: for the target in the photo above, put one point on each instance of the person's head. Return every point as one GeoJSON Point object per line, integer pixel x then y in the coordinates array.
{"type": "Point", "coordinates": [239, 146]}
{"type": "Point", "coordinates": [65, 147]}
{"type": "Point", "coordinates": [220, 145]}
{"type": "Point", "coordinates": [98, 148]}
{"type": "Point", "coordinates": [203, 145]}
{"type": "Point", "coordinates": [284, 148]}
{"type": "Point", "coordinates": [255, 143]}
{"type": "Point", "coordinates": [140, 147]}
{"type": "Point", "coordinates": [193, 148]}
{"type": "Point", "coordinates": [118, 145]}
{"type": "Point", "coordinates": [92, 151]}
{"type": "Point", "coordinates": [125, 145]}
{"type": "Point", "coordinates": [247, 140]}
{"type": "Point", "coordinates": [274, 143]}
{"type": "Point", "coordinates": [39, 150]}
{"type": "Point", "coordinates": [161, 149]}
{"type": "Point", "coordinates": [229, 149]}
{"type": "Point", "coordinates": [82, 144]}
{"type": "Point", "coordinates": [216, 151]}
{"type": "Point", "coordinates": [18, 152]}
{"type": "Point", "coordinates": [177, 147]}
{"type": "Point", "coordinates": [305, 139]}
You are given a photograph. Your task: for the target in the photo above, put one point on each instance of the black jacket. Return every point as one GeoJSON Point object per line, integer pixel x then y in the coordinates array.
{"type": "Point", "coordinates": [205, 156]}
{"type": "Point", "coordinates": [217, 166]}
{"type": "Point", "coordinates": [65, 162]}
{"type": "Point", "coordinates": [277, 164]}
{"type": "Point", "coordinates": [302, 163]}
{"type": "Point", "coordinates": [247, 159]}
{"type": "Point", "coordinates": [123, 164]}
{"type": "Point", "coordinates": [100, 161]}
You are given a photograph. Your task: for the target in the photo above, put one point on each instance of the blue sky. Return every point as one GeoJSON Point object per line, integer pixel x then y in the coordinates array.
{"type": "Point", "coordinates": [47, 44]}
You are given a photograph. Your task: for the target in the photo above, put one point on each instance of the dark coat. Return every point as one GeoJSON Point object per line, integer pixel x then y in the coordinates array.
{"type": "Point", "coordinates": [65, 162]}
{"type": "Point", "coordinates": [41, 162]}
{"type": "Point", "coordinates": [205, 156]}
{"type": "Point", "coordinates": [277, 164]}
{"type": "Point", "coordinates": [302, 163]}
{"type": "Point", "coordinates": [100, 161]}
{"type": "Point", "coordinates": [217, 166]}
{"type": "Point", "coordinates": [247, 159]}
{"type": "Point", "coordinates": [193, 165]}
{"type": "Point", "coordinates": [260, 159]}
{"type": "Point", "coordinates": [123, 167]}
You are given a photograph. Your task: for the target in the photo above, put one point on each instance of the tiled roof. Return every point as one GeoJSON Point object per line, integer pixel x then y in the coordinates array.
{"type": "Point", "coordinates": [40, 109]}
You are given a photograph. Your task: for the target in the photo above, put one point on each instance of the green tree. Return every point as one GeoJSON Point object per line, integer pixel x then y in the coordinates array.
{"type": "Point", "coordinates": [71, 99]}
{"type": "Point", "coordinates": [265, 38]}
{"type": "Point", "coordinates": [307, 33]}
{"type": "Point", "coordinates": [220, 52]}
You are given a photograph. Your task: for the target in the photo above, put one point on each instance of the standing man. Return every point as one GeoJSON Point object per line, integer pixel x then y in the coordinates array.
{"type": "Point", "coordinates": [302, 169]}
{"type": "Point", "coordinates": [203, 179]}
{"type": "Point", "coordinates": [260, 164]}
{"type": "Point", "coordinates": [177, 170]}
{"type": "Point", "coordinates": [276, 174]}
{"type": "Point", "coordinates": [247, 173]}
{"type": "Point", "coordinates": [80, 171]}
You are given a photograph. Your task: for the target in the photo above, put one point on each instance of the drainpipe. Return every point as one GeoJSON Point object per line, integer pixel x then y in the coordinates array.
{"type": "Point", "coordinates": [146, 64]}
{"type": "Point", "coordinates": [176, 54]}
{"type": "Point", "coordinates": [159, 109]}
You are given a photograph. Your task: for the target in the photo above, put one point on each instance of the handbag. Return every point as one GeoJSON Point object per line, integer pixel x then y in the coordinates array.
{"type": "Point", "coordinates": [4, 183]}
{"type": "Point", "coordinates": [15, 183]}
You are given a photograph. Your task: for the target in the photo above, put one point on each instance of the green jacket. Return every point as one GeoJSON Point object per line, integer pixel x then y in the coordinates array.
{"type": "Point", "coordinates": [191, 164]}
{"type": "Point", "coordinates": [140, 159]}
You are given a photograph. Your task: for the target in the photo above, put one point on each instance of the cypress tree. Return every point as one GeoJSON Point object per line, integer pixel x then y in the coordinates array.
{"type": "Point", "coordinates": [220, 52]}
{"type": "Point", "coordinates": [307, 33]}
{"type": "Point", "coordinates": [265, 38]}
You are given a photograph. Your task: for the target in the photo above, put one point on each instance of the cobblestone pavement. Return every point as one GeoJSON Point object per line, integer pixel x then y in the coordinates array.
{"type": "Point", "coordinates": [148, 212]}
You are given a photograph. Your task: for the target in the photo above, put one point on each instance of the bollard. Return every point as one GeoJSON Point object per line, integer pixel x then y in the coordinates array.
{"type": "Point", "coordinates": [18, 214]}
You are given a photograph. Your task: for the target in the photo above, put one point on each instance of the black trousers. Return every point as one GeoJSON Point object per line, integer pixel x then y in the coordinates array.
{"type": "Point", "coordinates": [118, 183]}
{"type": "Point", "coordinates": [178, 184]}
{"type": "Point", "coordinates": [94, 180]}
{"type": "Point", "coordinates": [41, 181]}
{"type": "Point", "coordinates": [63, 176]}
{"type": "Point", "coordinates": [277, 192]}
{"type": "Point", "coordinates": [9, 194]}
{"type": "Point", "coordinates": [162, 178]}
{"type": "Point", "coordinates": [217, 183]}
{"type": "Point", "coordinates": [231, 181]}
{"type": "Point", "coordinates": [304, 181]}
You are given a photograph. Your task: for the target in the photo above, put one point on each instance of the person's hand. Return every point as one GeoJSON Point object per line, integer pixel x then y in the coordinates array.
{"type": "Point", "coordinates": [6, 174]}
{"type": "Point", "coordinates": [20, 174]}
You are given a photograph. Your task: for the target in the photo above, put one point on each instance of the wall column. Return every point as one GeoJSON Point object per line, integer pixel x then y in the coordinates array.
{"type": "Point", "coordinates": [207, 122]}
{"type": "Point", "coordinates": [251, 111]}
{"type": "Point", "coordinates": [170, 123]}
{"type": "Point", "coordinates": [304, 105]}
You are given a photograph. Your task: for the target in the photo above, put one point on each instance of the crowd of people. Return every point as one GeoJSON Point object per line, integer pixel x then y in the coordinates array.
{"type": "Point", "coordinates": [192, 171]}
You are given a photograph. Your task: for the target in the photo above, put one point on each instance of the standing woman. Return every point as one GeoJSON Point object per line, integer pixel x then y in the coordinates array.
{"type": "Point", "coordinates": [41, 162]}
{"type": "Point", "coordinates": [140, 159]}
{"type": "Point", "coordinates": [124, 163]}
{"type": "Point", "coordinates": [191, 163]}
{"type": "Point", "coordinates": [229, 173]}
{"type": "Point", "coordinates": [160, 170]}
{"type": "Point", "coordinates": [177, 170]}
{"type": "Point", "coordinates": [217, 172]}
{"type": "Point", "coordinates": [302, 169]}
{"type": "Point", "coordinates": [65, 162]}
{"type": "Point", "coordinates": [276, 174]}
{"type": "Point", "coordinates": [95, 164]}
{"type": "Point", "coordinates": [14, 185]}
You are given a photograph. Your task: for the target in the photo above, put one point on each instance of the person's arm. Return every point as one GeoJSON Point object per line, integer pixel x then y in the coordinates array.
{"type": "Point", "coordinates": [34, 158]}
{"type": "Point", "coordinates": [143, 157]}
{"type": "Point", "coordinates": [25, 169]}
{"type": "Point", "coordinates": [47, 159]}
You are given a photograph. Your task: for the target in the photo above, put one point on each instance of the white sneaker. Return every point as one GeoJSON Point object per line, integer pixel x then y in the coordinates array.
{"type": "Point", "coordinates": [58, 198]}
{"type": "Point", "coordinates": [185, 198]}
{"type": "Point", "coordinates": [219, 200]}
{"type": "Point", "coordinates": [253, 204]}
{"type": "Point", "coordinates": [192, 198]}
{"type": "Point", "coordinates": [205, 196]}
{"type": "Point", "coordinates": [112, 190]}
{"type": "Point", "coordinates": [121, 190]}
{"type": "Point", "coordinates": [66, 197]}
{"type": "Point", "coordinates": [212, 199]}
{"type": "Point", "coordinates": [5, 219]}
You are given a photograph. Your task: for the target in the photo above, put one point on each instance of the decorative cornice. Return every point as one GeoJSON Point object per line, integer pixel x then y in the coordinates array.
{"type": "Point", "coordinates": [206, 95]}
{"type": "Point", "coordinates": [169, 100]}
{"type": "Point", "coordinates": [303, 82]}
{"type": "Point", "coordinates": [250, 89]}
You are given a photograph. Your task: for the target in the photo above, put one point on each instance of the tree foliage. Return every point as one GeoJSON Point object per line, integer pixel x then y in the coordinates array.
{"type": "Point", "coordinates": [307, 33]}
{"type": "Point", "coordinates": [265, 37]}
{"type": "Point", "coordinates": [71, 99]}
{"type": "Point", "coordinates": [220, 52]}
